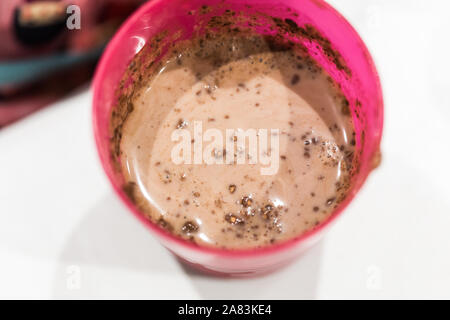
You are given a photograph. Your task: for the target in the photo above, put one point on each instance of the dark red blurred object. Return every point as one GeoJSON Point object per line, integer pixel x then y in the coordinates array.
{"type": "Point", "coordinates": [41, 59]}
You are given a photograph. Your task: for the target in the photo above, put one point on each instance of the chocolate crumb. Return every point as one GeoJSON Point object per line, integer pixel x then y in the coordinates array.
{"type": "Point", "coordinates": [232, 188]}
{"type": "Point", "coordinates": [129, 190]}
{"type": "Point", "coordinates": [189, 227]}
{"type": "Point", "coordinates": [231, 218]}
{"type": "Point", "coordinates": [295, 79]}
{"type": "Point", "coordinates": [266, 211]}
{"type": "Point", "coordinates": [345, 109]}
{"type": "Point", "coordinates": [164, 224]}
{"type": "Point", "coordinates": [181, 124]}
{"type": "Point", "coordinates": [330, 201]}
{"type": "Point", "coordinates": [246, 201]}
{"type": "Point", "coordinates": [218, 203]}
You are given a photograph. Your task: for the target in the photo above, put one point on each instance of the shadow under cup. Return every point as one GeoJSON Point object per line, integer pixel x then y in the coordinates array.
{"type": "Point", "coordinates": [328, 38]}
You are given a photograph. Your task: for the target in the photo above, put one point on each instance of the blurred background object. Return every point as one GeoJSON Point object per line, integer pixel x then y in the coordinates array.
{"type": "Point", "coordinates": [48, 48]}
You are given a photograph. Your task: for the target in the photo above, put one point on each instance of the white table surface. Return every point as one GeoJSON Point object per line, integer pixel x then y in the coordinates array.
{"type": "Point", "coordinates": [63, 234]}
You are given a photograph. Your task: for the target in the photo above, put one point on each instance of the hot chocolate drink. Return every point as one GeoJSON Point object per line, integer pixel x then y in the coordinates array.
{"type": "Point", "coordinates": [236, 142]}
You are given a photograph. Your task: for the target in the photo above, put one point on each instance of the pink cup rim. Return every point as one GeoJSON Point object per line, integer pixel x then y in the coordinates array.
{"type": "Point", "coordinates": [276, 248]}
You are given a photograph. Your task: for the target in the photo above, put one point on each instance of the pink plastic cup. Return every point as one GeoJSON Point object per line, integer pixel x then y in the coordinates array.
{"type": "Point", "coordinates": [352, 68]}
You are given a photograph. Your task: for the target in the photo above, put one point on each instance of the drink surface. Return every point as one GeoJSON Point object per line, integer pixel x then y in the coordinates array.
{"type": "Point", "coordinates": [287, 186]}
